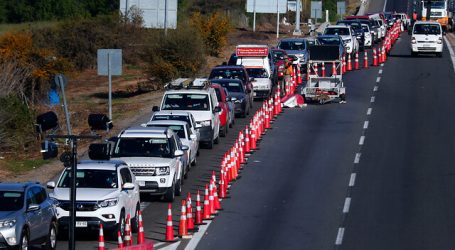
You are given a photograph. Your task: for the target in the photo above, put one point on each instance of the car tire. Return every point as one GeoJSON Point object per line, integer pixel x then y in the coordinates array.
{"type": "Point", "coordinates": [178, 186]}
{"type": "Point", "coordinates": [135, 220]}
{"type": "Point", "coordinates": [51, 240]}
{"type": "Point", "coordinates": [413, 54]}
{"type": "Point", "coordinates": [223, 132]}
{"type": "Point", "coordinates": [24, 241]}
{"type": "Point", "coordinates": [169, 196]}
{"type": "Point", "coordinates": [120, 227]}
{"type": "Point", "coordinates": [194, 163]}
{"type": "Point", "coordinates": [217, 139]}
{"type": "Point", "coordinates": [439, 54]}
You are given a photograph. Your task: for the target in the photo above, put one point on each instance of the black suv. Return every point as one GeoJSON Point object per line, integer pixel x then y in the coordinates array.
{"type": "Point", "coordinates": [234, 72]}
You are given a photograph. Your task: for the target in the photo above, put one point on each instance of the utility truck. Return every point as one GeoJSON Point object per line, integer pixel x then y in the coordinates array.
{"type": "Point", "coordinates": [439, 12]}
{"type": "Point", "coordinates": [327, 88]}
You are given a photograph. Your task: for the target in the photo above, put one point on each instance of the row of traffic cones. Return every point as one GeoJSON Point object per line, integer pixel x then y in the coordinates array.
{"type": "Point", "coordinates": [127, 240]}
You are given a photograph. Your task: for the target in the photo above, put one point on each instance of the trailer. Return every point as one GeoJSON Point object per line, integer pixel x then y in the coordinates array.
{"type": "Point", "coordinates": [328, 88]}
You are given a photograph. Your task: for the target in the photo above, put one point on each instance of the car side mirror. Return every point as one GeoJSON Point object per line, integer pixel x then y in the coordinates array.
{"type": "Point", "coordinates": [185, 148]}
{"type": "Point", "coordinates": [33, 207]}
{"type": "Point", "coordinates": [155, 109]}
{"type": "Point", "coordinates": [178, 153]}
{"type": "Point", "coordinates": [128, 186]}
{"type": "Point", "coordinates": [217, 109]}
{"type": "Point", "coordinates": [50, 185]}
{"type": "Point", "coordinates": [193, 137]}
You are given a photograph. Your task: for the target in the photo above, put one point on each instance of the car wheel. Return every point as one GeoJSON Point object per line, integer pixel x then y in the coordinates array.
{"type": "Point", "coordinates": [23, 244]}
{"type": "Point", "coordinates": [51, 241]}
{"type": "Point", "coordinates": [223, 131]}
{"type": "Point", "coordinates": [217, 139]}
{"type": "Point", "coordinates": [135, 220]}
{"type": "Point", "coordinates": [413, 54]}
{"type": "Point", "coordinates": [210, 143]}
{"type": "Point", "coordinates": [120, 227]}
{"type": "Point", "coordinates": [187, 169]}
{"type": "Point", "coordinates": [178, 187]}
{"type": "Point", "coordinates": [194, 162]}
{"type": "Point", "coordinates": [439, 54]}
{"type": "Point", "coordinates": [169, 196]}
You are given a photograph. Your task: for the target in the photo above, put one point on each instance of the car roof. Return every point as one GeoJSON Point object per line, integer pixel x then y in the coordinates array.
{"type": "Point", "coordinates": [225, 80]}
{"type": "Point", "coordinates": [292, 39]}
{"type": "Point", "coordinates": [228, 67]}
{"type": "Point", "coordinates": [427, 22]}
{"type": "Point", "coordinates": [167, 122]}
{"type": "Point", "coordinates": [146, 132]}
{"type": "Point", "coordinates": [102, 165]}
{"type": "Point", "coordinates": [329, 36]}
{"type": "Point", "coordinates": [204, 91]}
{"type": "Point", "coordinates": [172, 112]}
{"type": "Point", "coordinates": [337, 26]}
{"type": "Point", "coordinates": [17, 186]}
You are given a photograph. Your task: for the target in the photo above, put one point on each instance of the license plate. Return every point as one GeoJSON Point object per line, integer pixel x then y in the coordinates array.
{"type": "Point", "coordinates": [426, 45]}
{"type": "Point", "coordinates": [81, 224]}
{"type": "Point", "coordinates": [141, 183]}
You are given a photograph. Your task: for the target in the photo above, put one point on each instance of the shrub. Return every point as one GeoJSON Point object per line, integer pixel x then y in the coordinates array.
{"type": "Point", "coordinates": [213, 29]}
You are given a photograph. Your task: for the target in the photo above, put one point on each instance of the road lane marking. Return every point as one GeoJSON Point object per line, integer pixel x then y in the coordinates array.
{"type": "Point", "coordinates": [144, 205]}
{"type": "Point", "coordinates": [378, 79]}
{"type": "Point", "coordinates": [372, 99]}
{"type": "Point", "coordinates": [385, 5]}
{"type": "Point", "coordinates": [362, 140]}
{"type": "Point", "coordinates": [452, 54]}
{"type": "Point", "coordinates": [380, 71]}
{"type": "Point", "coordinates": [369, 111]}
{"type": "Point", "coordinates": [340, 235]}
{"type": "Point", "coordinates": [382, 64]}
{"type": "Point", "coordinates": [352, 180]}
{"type": "Point", "coordinates": [347, 204]}
{"type": "Point", "coordinates": [197, 236]}
{"type": "Point", "coordinates": [174, 246]}
{"type": "Point", "coordinates": [158, 244]}
{"type": "Point", "coordinates": [357, 158]}
{"type": "Point", "coordinates": [375, 88]}
{"type": "Point", "coordinates": [365, 124]}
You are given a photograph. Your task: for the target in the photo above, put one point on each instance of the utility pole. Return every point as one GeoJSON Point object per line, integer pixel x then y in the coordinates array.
{"type": "Point", "coordinates": [428, 10]}
{"type": "Point", "coordinates": [297, 31]}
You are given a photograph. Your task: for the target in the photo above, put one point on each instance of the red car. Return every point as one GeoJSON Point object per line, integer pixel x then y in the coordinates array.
{"type": "Point", "coordinates": [227, 109]}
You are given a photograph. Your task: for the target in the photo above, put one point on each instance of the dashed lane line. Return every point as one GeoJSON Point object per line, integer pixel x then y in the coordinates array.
{"type": "Point", "coordinates": [452, 54]}
{"type": "Point", "coordinates": [380, 72]}
{"type": "Point", "coordinates": [340, 235]}
{"type": "Point", "coordinates": [376, 88]}
{"type": "Point", "coordinates": [357, 158]}
{"type": "Point", "coordinates": [362, 140]}
{"type": "Point", "coordinates": [365, 124]}
{"type": "Point", "coordinates": [352, 180]}
{"type": "Point", "coordinates": [347, 204]}
{"type": "Point", "coordinates": [378, 79]}
{"type": "Point", "coordinates": [373, 98]}
{"type": "Point", "coordinates": [197, 236]}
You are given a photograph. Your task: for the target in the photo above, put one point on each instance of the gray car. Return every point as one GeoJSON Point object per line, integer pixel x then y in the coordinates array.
{"type": "Point", "coordinates": [297, 47]}
{"type": "Point", "coordinates": [27, 216]}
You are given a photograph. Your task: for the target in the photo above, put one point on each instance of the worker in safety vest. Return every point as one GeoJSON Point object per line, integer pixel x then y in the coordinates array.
{"type": "Point", "coordinates": [288, 73]}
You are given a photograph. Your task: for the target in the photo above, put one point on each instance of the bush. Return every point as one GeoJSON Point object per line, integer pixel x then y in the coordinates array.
{"type": "Point", "coordinates": [213, 29]}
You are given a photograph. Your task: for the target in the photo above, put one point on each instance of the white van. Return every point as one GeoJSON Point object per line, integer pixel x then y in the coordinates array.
{"type": "Point", "coordinates": [427, 38]}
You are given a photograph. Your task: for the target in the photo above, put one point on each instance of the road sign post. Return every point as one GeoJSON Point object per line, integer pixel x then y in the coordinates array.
{"type": "Point", "coordinates": [109, 64]}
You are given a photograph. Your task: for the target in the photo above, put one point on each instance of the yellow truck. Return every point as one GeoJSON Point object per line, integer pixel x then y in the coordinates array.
{"type": "Point", "coordinates": [439, 12]}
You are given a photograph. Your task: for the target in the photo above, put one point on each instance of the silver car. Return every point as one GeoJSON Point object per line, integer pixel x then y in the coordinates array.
{"type": "Point", "coordinates": [27, 216]}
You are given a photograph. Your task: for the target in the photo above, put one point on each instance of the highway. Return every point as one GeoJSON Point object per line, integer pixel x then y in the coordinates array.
{"type": "Point", "coordinates": [374, 173]}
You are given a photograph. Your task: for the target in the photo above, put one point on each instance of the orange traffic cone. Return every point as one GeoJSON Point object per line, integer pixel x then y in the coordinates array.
{"type": "Point", "coordinates": [140, 233]}
{"type": "Point", "coordinates": [215, 197]}
{"type": "Point", "coordinates": [247, 140]}
{"type": "Point", "coordinates": [365, 60]}
{"type": "Point", "coordinates": [375, 58]}
{"type": "Point", "coordinates": [198, 209]}
{"type": "Point", "coordinates": [380, 55]}
{"type": "Point", "coordinates": [356, 63]}
{"type": "Point", "coordinates": [183, 230]}
{"type": "Point", "coordinates": [222, 186]}
{"type": "Point", "coordinates": [315, 68]}
{"type": "Point", "coordinates": [169, 228]}
{"type": "Point", "coordinates": [343, 66]}
{"type": "Point", "coordinates": [211, 200]}
{"type": "Point", "coordinates": [349, 62]}
{"type": "Point", "coordinates": [189, 214]}
{"type": "Point", "coordinates": [207, 215]}
{"type": "Point", "coordinates": [334, 69]}
{"type": "Point", "coordinates": [119, 238]}
{"type": "Point", "coordinates": [308, 72]}
{"type": "Point", "coordinates": [323, 69]}
{"type": "Point", "coordinates": [128, 240]}
{"type": "Point", "coordinates": [101, 245]}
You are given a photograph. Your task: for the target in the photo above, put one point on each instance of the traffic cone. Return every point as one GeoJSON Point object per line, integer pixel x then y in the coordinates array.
{"type": "Point", "coordinates": [308, 72]}
{"type": "Point", "coordinates": [241, 147]}
{"type": "Point", "coordinates": [315, 68]}
{"type": "Point", "coordinates": [207, 215]}
{"type": "Point", "coordinates": [299, 75]}
{"type": "Point", "coordinates": [349, 62]}
{"type": "Point", "coordinates": [211, 200]}
{"type": "Point", "coordinates": [169, 228]}
{"type": "Point", "coordinates": [380, 55]}
{"type": "Point", "coordinates": [189, 213]}
{"type": "Point", "coordinates": [101, 245]}
{"type": "Point", "coordinates": [334, 69]}
{"type": "Point", "coordinates": [198, 210]}
{"type": "Point", "coordinates": [183, 230]}
{"type": "Point", "coordinates": [356, 62]}
{"type": "Point", "coordinates": [247, 140]}
{"type": "Point", "coordinates": [323, 69]}
{"type": "Point", "coordinates": [128, 240]}
{"type": "Point", "coordinates": [384, 54]}
{"type": "Point", "coordinates": [119, 238]}
{"type": "Point", "coordinates": [216, 199]}
{"type": "Point", "coordinates": [375, 58]}
{"type": "Point", "coordinates": [222, 186]}
{"type": "Point", "coordinates": [365, 60]}
{"type": "Point", "coordinates": [140, 233]}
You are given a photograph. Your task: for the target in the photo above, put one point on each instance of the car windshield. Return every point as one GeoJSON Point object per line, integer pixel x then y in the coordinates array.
{"type": "Point", "coordinates": [292, 45]}
{"type": "Point", "coordinates": [365, 28]}
{"type": "Point", "coordinates": [257, 72]}
{"type": "Point", "coordinates": [227, 74]}
{"type": "Point", "coordinates": [186, 102]}
{"type": "Point", "coordinates": [218, 94]}
{"type": "Point", "coordinates": [232, 86]}
{"type": "Point", "coordinates": [278, 55]}
{"type": "Point", "coordinates": [178, 129]}
{"type": "Point", "coordinates": [337, 31]}
{"type": "Point", "coordinates": [427, 29]}
{"type": "Point", "coordinates": [90, 178]}
{"type": "Point", "coordinates": [329, 40]}
{"type": "Point", "coordinates": [435, 4]}
{"type": "Point", "coordinates": [11, 200]}
{"type": "Point", "coordinates": [184, 118]}
{"type": "Point", "coordinates": [142, 147]}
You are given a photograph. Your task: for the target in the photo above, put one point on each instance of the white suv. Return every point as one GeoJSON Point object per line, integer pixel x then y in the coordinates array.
{"type": "Point", "coordinates": [345, 32]}
{"type": "Point", "coordinates": [202, 103]}
{"type": "Point", "coordinates": [106, 193]}
{"type": "Point", "coordinates": [426, 38]}
{"type": "Point", "coordinates": [155, 156]}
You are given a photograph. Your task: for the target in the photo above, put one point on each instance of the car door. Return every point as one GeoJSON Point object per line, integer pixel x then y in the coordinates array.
{"type": "Point", "coordinates": [193, 128]}
{"type": "Point", "coordinates": [33, 218]}
{"type": "Point", "coordinates": [126, 195]}
{"type": "Point", "coordinates": [193, 142]}
{"type": "Point", "coordinates": [47, 207]}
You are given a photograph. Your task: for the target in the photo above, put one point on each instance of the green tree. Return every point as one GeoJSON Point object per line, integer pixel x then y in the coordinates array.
{"type": "Point", "coordinates": [330, 5]}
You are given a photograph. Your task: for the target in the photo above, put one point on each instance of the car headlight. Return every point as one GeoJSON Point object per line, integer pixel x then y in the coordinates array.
{"type": "Point", "coordinates": [239, 100]}
{"type": "Point", "coordinates": [162, 171]}
{"type": "Point", "coordinates": [7, 223]}
{"type": "Point", "coordinates": [206, 123]}
{"type": "Point", "coordinates": [108, 203]}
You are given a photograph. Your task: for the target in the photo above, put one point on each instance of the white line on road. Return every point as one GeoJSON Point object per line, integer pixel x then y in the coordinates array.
{"type": "Point", "coordinates": [144, 205]}
{"type": "Point", "coordinates": [380, 71]}
{"type": "Point", "coordinates": [362, 140]}
{"type": "Point", "coordinates": [174, 246]}
{"type": "Point", "coordinates": [340, 235]}
{"type": "Point", "coordinates": [365, 124]}
{"type": "Point", "coordinates": [372, 99]}
{"type": "Point", "coordinates": [382, 64]}
{"type": "Point", "coordinates": [369, 111]}
{"type": "Point", "coordinates": [452, 54]}
{"type": "Point", "coordinates": [352, 180]}
{"type": "Point", "coordinates": [385, 5]}
{"type": "Point", "coordinates": [375, 88]}
{"type": "Point", "coordinates": [158, 244]}
{"type": "Point", "coordinates": [197, 236]}
{"type": "Point", "coordinates": [378, 79]}
{"type": "Point", "coordinates": [357, 158]}
{"type": "Point", "coordinates": [347, 204]}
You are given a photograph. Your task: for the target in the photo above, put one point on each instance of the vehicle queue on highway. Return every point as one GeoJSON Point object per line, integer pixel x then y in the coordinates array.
{"type": "Point", "coordinates": [155, 158]}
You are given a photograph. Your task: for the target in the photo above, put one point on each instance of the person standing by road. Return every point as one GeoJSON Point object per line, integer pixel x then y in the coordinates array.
{"type": "Point", "coordinates": [287, 76]}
